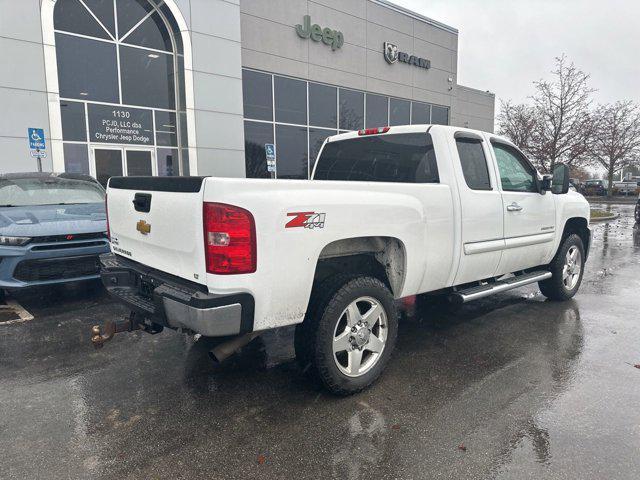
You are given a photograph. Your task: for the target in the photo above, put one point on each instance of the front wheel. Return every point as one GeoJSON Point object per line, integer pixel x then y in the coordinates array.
{"type": "Point", "coordinates": [349, 333]}
{"type": "Point", "coordinates": [567, 268]}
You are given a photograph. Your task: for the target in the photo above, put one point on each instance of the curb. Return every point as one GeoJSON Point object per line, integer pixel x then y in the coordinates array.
{"type": "Point", "coordinates": [612, 201]}
{"type": "Point", "coordinates": [604, 219]}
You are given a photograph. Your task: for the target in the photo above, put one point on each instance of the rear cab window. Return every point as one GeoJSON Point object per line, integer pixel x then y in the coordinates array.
{"type": "Point", "coordinates": [473, 162]}
{"type": "Point", "coordinates": [396, 158]}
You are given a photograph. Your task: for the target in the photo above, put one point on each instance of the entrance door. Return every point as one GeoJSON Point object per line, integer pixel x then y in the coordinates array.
{"type": "Point", "coordinates": [110, 162]}
{"type": "Point", "coordinates": [139, 162]}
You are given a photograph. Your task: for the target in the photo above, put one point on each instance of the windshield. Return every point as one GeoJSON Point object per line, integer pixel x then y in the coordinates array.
{"type": "Point", "coordinates": [19, 192]}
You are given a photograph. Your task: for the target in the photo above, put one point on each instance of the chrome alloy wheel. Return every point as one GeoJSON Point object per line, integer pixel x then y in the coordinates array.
{"type": "Point", "coordinates": [360, 336]}
{"type": "Point", "coordinates": [572, 268]}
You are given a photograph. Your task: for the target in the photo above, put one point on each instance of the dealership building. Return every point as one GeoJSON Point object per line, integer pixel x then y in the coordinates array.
{"type": "Point", "coordinates": [216, 87]}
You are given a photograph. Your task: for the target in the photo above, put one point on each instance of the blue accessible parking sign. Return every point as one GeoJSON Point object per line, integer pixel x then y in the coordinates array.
{"type": "Point", "coordinates": [270, 151]}
{"type": "Point", "coordinates": [36, 139]}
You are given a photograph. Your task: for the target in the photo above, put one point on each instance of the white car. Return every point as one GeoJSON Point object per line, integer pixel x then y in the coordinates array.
{"type": "Point", "coordinates": [390, 212]}
{"type": "Point", "coordinates": [627, 187]}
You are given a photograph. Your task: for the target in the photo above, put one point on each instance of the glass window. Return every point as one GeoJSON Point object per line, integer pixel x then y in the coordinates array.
{"type": "Point", "coordinates": [49, 191]}
{"type": "Point", "coordinates": [103, 9]}
{"type": "Point", "coordinates": [185, 162]}
{"type": "Point", "coordinates": [323, 105]}
{"type": "Point", "coordinates": [74, 126]}
{"type": "Point", "coordinates": [180, 84]}
{"type": "Point", "coordinates": [76, 159]}
{"type": "Point", "coordinates": [474, 164]}
{"type": "Point", "coordinates": [317, 136]}
{"type": "Point", "coordinates": [516, 173]}
{"type": "Point", "coordinates": [130, 12]}
{"type": "Point", "coordinates": [87, 69]}
{"type": "Point", "coordinates": [439, 115]}
{"type": "Point", "coordinates": [291, 152]}
{"type": "Point", "coordinates": [420, 113]}
{"type": "Point", "coordinates": [257, 95]}
{"type": "Point", "coordinates": [377, 111]}
{"type": "Point", "coordinates": [399, 112]}
{"type": "Point", "coordinates": [139, 163]}
{"type": "Point", "coordinates": [166, 129]}
{"type": "Point", "coordinates": [108, 164]}
{"type": "Point", "coordinates": [406, 158]}
{"type": "Point", "coordinates": [168, 162]}
{"type": "Point", "coordinates": [173, 26]}
{"type": "Point", "coordinates": [184, 133]}
{"type": "Point", "coordinates": [351, 110]}
{"type": "Point", "coordinates": [290, 100]}
{"type": "Point", "coordinates": [72, 16]}
{"type": "Point", "coordinates": [151, 33]}
{"type": "Point", "coordinates": [256, 135]}
{"type": "Point", "coordinates": [116, 124]}
{"type": "Point", "coordinates": [147, 78]}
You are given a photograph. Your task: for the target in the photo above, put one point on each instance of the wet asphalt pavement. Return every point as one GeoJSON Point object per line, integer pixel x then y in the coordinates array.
{"type": "Point", "coordinates": [512, 386]}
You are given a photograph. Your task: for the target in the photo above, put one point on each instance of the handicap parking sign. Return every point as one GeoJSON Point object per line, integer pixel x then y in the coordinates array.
{"type": "Point", "coordinates": [270, 151]}
{"type": "Point", "coordinates": [36, 139]}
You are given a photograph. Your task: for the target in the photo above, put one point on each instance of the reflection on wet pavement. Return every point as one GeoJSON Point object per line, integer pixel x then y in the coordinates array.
{"type": "Point", "coordinates": [530, 388]}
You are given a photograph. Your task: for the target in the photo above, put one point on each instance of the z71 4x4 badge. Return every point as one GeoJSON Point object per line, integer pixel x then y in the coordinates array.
{"type": "Point", "coordinates": [305, 220]}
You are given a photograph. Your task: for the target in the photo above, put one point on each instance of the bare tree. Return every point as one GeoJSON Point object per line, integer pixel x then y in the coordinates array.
{"type": "Point", "coordinates": [616, 140]}
{"type": "Point", "coordinates": [517, 122]}
{"type": "Point", "coordinates": [556, 126]}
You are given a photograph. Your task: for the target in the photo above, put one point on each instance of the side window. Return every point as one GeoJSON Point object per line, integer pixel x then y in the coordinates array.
{"type": "Point", "coordinates": [516, 174]}
{"type": "Point", "coordinates": [474, 163]}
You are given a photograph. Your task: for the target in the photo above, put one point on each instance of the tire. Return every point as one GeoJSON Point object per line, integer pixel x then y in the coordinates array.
{"type": "Point", "coordinates": [560, 287]}
{"type": "Point", "coordinates": [637, 212]}
{"type": "Point", "coordinates": [329, 350]}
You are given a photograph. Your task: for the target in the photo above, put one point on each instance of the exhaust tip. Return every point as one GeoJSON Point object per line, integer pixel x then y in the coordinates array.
{"type": "Point", "coordinates": [224, 350]}
{"type": "Point", "coordinates": [214, 358]}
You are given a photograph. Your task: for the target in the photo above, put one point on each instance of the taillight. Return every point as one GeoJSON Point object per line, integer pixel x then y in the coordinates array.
{"type": "Point", "coordinates": [229, 239]}
{"type": "Point", "coordinates": [106, 211]}
{"type": "Point", "coordinates": [373, 131]}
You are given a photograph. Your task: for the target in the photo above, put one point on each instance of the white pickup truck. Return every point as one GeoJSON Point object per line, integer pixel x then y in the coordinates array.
{"type": "Point", "coordinates": [390, 212]}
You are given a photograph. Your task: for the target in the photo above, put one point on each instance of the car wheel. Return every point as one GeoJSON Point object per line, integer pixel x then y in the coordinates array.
{"type": "Point", "coordinates": [637, 213]}
{"type": "Point", "coordinates": [567, 268]}
{"type": "Point", "coordinates": [349, 333]}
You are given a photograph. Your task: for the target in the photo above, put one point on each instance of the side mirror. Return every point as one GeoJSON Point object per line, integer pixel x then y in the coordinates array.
{"type": "Point", "coordinates": [546, 183]}
{"type": "Point", "coordinates": [560, 181]}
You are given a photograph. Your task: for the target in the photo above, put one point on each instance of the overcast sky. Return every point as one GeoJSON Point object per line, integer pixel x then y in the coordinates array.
{"type": "Point", "coordinates": [504, 45]}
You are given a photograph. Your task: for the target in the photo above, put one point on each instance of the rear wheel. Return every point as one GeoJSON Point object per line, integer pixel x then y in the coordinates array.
{"type": "Point", "coordinates": [349, 333]}
{"type": "Point", "coordinates": [567, 269]}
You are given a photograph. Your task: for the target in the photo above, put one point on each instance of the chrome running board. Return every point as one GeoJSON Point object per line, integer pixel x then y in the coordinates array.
{"type": "Point", "coordinates": [481, 291]}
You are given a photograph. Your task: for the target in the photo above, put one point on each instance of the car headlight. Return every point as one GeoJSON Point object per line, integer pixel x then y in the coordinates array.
{"type": "Point", "coordinates": [14, 241]}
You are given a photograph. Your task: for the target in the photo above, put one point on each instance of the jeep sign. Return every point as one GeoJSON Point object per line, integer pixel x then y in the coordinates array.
{"type": "Point", "coordinates": [328, 36]}
{"type": "Point", "coordinates": [392, 55]}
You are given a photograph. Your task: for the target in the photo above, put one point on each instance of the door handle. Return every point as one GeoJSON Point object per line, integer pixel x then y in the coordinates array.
{"type": "Point", "coordinates": [514, 207]}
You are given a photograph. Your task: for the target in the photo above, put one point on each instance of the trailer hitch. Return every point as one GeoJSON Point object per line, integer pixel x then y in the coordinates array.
{"type": "Point", "coordinates": [100, 336]}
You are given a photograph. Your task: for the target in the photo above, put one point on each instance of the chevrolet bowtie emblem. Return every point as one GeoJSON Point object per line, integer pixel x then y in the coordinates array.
{"type": "Point", "coordinates": [143, 227]}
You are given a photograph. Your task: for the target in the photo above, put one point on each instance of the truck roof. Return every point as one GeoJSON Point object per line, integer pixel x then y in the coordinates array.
{"type": "Point", "coordinates": [415, 129]}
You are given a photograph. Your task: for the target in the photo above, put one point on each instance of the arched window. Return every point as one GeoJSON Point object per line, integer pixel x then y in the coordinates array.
{"type": "Point", "coordinates": [121, 82]}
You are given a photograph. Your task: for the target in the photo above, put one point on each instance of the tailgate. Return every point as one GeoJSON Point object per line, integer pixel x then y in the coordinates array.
{"type": "Point", "coordinates": [157, 221]}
